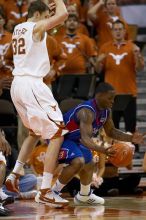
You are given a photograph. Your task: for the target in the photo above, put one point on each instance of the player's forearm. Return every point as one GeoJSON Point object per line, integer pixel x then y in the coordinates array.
{"type": "Point", "coordinates": [61, 10]}
{"type": "Point", "coordinates": [100, 172]}
{"type": "Point", "coordinates": [120, 135]}
{"type": "Point", "coordinates": [89, 143]}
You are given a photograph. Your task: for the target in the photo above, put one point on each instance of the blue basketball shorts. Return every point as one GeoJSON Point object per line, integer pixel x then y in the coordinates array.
{"type": "Point", "coordinates": [71, 150]}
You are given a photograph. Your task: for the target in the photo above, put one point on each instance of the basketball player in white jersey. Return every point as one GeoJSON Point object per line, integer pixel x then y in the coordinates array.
{"type": "Point", "coordinates": [33, 99]}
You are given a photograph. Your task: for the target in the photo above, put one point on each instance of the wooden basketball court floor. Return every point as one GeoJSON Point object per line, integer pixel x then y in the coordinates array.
{"type": "Point", "coordinates": [115, 208]}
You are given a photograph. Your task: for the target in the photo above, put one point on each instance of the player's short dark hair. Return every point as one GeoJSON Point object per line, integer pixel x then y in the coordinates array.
{"type": "Point", "coordinates": [104, 87]}
{"type": "Point", "coordinates": [37, 6]}
{"type": "Point", "coordinates": [118, 22]}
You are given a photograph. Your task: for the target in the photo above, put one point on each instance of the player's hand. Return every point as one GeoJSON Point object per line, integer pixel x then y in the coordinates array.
{"type": "Point", "coordinates": [138, 138]}
{"type": "Point", "coordinates": [52, 8]}
{"type": "Point", "coordinates": [110, 151]}
{"type": "Point", "coordinates": [4, 145]}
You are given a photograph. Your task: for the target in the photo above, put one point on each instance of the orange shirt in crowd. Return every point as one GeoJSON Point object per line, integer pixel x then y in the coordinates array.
{"type": "Point", "coordinates": [5, 42]}
{"type": "Point", "coordinates": [119, 67]}
{"type": "Point", "coordinates": [104, 24]}
{"type": "Point", "coordinates": [79, 49]}
{"type": "Point", "coordinates": [56, 56]}
{"type": "Point", "coordinates": [13, 12]}
{"type": "Point", "coordinates": [2, 2]}
{"type": "Point", "coordinates": [82, 29]}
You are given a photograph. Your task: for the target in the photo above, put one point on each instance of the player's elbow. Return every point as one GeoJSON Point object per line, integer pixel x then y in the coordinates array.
{"type": "Point", "coordinates": [62, 16]}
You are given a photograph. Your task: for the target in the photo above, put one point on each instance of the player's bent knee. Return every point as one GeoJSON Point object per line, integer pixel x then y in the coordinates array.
{"type": "Point", "coordinates": [78, 163]}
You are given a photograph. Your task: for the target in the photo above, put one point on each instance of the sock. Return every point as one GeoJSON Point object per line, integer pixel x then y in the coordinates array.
{"type": "Point", "coordinates": [57, 187]}
{"type": "Point", "coordinates": [18, 167]}
{"type": "Point", "coordinates": [85, 189]}
{"type": "Point", "coordinates": [47, 180]}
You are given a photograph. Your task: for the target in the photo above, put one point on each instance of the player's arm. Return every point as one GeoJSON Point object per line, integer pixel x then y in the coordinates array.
{"type": "Point", "coordinates": [86, 118]}
{"type": "Point", "coordinates": [117, 134]}
{"type": "Point", "coordinates": [59, 17]}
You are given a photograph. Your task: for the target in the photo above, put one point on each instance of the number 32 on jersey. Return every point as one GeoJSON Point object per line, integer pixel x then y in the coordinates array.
{"type": "Point", "coordinates": [18, 46]}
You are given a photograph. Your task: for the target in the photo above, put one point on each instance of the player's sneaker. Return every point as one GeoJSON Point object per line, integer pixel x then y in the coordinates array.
{"type": "Point", "coordinates": [90, 199]}
{"type": "Point", "coordinates": [50, 198]}
{"type": "Point", "coordinates": [12, 182]}
{"type": "Point", "coordinates": [5, 199]}
{"type": "Point", "coordinates": [4, 211]}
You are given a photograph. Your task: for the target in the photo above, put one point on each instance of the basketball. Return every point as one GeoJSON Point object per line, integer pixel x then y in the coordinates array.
{"type": "Point", "coordinates": [123, 154]}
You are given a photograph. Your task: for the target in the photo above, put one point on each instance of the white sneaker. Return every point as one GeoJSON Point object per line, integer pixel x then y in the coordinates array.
{"type": "Point", "coordinates": [50, 198]}
{"type": "Point", "coordinates": [91, 199]}
{"type": "Point", "coordinates": [28, 195]}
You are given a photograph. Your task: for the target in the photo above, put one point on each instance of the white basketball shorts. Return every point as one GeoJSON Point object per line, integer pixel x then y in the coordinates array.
{"type": "Point", "coordinates": [37, 107]}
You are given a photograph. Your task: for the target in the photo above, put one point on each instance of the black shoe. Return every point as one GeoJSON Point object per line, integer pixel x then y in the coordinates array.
{"type": "Point", "coordinates": [7, 201]}
{"type": "Point", "coordinates": [138, 191]}
{"type": "Point", "coordinates": [113, 192]}
{"type": "Point", "coordinates": [4, 211]}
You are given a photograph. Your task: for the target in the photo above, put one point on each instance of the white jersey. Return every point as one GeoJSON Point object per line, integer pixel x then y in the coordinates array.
{"type": "Point", "coordinates": [30, 57]}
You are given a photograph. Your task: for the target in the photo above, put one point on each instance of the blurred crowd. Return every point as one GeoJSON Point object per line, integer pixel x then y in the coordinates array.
{"type": "Point", "coordinates": [97, 40]}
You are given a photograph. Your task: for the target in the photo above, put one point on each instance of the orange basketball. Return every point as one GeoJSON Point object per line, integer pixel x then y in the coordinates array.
{"type": "Point", "coordinates": [123, 154]}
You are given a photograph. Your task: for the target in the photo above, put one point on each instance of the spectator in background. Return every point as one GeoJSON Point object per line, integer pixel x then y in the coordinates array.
{"type": "Point", "coordinates": [5, 149]}
{"type": "Point", "coordinates": [4, 198]}
{"type": "Point", "coordinates": [5, 64]}
{"type": "Point", "coordinates": [103, 14]}
{"type": "Point", "coordinates": [4, 84]}
{"type": "Point", "coordinates": [76, 3]}
{"type": "Point", "coordinates": [78, 47]}
{"type": "Point", "coordinates": [120, 60]}
{"type": "Point", "coordinates": [57, 59]}
{"type": "Point", "coordinates": [80, 29]}
{"type": "Point", "coordinates": [16, 12]}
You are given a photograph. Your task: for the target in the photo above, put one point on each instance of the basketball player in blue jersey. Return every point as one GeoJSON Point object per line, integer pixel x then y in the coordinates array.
{"type": "Point", "coordinates": [33, 100]}
{"type": "Point", "coordinates": [83, 122]}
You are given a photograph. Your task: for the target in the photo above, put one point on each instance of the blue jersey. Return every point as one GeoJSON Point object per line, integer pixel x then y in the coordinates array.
{"type": "Point", "coordinates": [72, 122]}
